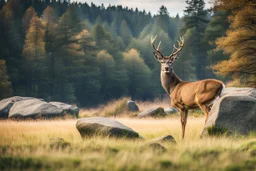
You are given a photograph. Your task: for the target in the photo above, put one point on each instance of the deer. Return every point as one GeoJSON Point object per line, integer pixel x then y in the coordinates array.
{"type": "Point", "coordinates": [186, 95]}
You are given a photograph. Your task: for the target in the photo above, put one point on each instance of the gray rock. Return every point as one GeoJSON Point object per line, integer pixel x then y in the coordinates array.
{"type": "Point", "coordinates": [171, 110]}
{"type": "Point", "coordinates": [67, 108]}
{"type": "Point", "coordinates": [155, 147]}
{"type": "Point", "coordinates": [234, 112]}
{"type": "Point", "coordinates": [32, 108]}
{"type": "Point", "coordinates": [132, 106]}
{"type": "Point", "coordinates": [6, 104]}
{"type": "Point", "coordinates": [155, 112]}
{"type": "Point", "coordinates": [100, 126]}
{"type": "Point", "coordinates": [165, 139]}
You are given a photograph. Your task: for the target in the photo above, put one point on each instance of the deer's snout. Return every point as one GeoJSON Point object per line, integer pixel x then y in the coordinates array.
{"type": "Point", "coordinates": [166, 68]}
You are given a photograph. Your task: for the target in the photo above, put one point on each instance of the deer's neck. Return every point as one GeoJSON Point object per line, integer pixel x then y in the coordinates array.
{"type": "Point", "coordinates": [169, 81]}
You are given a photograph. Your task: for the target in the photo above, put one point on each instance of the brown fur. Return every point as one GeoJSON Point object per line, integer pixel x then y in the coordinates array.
{"type": "Point", "coordinates": [186, 95]}
{"type": "Point", "coordinates": [191, 95]}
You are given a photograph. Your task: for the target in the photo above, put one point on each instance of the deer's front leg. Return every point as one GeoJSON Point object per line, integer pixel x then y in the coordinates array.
{"type": "Point", "coordinates": [183, 120]}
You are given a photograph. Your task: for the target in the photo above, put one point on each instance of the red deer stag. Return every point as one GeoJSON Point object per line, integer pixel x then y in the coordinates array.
{"type": "Point", "coordinates": [186, 95]}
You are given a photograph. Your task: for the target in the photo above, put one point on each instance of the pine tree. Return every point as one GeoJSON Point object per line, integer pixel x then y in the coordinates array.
{"type": "Point", "coordinates": [125, 32]}
{"type": "Point", "coordinates": [34, 54]}
{"type": "Point", "coordinates": [196, 17]}
{"type": "Point", "coordinates": [49, 19]}
{"type": "Point", "coordinates": [106, 65]}
{"type": "Point", "coordinates": [163, 19]}
{"type": "Point", "coordinates": [5, 85]}
{"type": "Point", "coordinates": [88, 79]}
{"type": "Point", "coordinates": [216, 28]}
{"type": "Point", "coordinates": [11, 43]}
{"type": "Point", "coordinates": [139, 75]}
{"type": "Point", "coordinates": [67, 53]}
{"type": "Point", "coordinates": [29, 14]}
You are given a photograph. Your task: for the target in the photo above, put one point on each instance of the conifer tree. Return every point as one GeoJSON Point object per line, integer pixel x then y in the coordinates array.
{"type": "Point", "coordinates": [88, 78]}
{"type": "Point", "coordinates": [125, 32]}
{"type": "Point", "coordinates": [67, 53]}
{"type": "Point", "coordinates": [5, 84]}
{"type": "Point", "coordinates": [34, 54]}
{"type": "Point", "coordinates": [29, 14]}
{"type": "Point", "coordinates": [49, 19]}
{"type": "Point", "coordinates": [106, 65]}
{"type": "Point", "coordinates": [196, 19]}
{"type": "Point", "coordinates": [216, 28]}
{"type": "Point", "coordinates": [139, 75]}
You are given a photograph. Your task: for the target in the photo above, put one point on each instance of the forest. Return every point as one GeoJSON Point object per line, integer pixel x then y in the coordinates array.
{"type": "Point", "coordinates": [86, 54]}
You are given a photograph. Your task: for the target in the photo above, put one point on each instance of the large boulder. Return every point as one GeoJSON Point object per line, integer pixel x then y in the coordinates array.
{"type": "Point", "coordinates": [100, 126]}
{"type": "Point", "coordinates": [132, 106]}
{"type": "Point", "coordinates": [234, 112]}
{"type": "Point", "coordinates": [155, 112]}
{"type": "Point", "coordinates": [32, 108]}
{"type": "Point", "coordinates": [67, 108]}
{"type": "Point", "coordinates": [6, 104]}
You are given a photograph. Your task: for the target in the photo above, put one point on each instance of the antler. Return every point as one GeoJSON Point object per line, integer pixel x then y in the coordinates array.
{"type": "Point", "coordinates": [176, 50]}
{"type": "Point", "coordinates": [156, 49]}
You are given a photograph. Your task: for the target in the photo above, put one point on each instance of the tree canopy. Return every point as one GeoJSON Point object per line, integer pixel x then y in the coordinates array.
{"type": "Point", "coordinates": [87, 54]}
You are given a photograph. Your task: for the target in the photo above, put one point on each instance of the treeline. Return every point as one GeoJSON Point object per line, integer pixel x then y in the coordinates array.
{"type": "Point", "coordinates": [88, 54]}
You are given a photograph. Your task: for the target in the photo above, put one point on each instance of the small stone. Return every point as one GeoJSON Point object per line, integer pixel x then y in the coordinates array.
{"type": "Point", "coordinates": [132, 106]}
{"type": "Point", "coordinates": [165, 139]}
{"type": "Point", "coordinates": [155, 112]}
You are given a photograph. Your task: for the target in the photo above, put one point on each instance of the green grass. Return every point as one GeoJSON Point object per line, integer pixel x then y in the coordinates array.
{"type": "Point", "coordinates": [27, 145]}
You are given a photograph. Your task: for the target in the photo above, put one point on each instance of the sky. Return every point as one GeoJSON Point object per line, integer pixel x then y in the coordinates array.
{"type": "Point", "coordinates": [173, 6]}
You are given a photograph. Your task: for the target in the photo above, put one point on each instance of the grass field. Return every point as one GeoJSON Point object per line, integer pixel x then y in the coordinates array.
{"type": "Point", "coordinates": [25, 145]}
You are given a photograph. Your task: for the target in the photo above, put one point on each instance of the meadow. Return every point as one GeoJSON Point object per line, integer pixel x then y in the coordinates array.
{"type": "Point", "coordinates": [27, 145]}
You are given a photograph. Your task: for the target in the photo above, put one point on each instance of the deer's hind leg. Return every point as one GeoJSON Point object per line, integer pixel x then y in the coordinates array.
{"type": "Point", "coordinates": [206, 109]}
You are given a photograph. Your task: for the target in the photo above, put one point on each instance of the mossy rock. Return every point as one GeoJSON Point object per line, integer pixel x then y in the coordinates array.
{"type": "Point", "coordinates": [105, 127]}
{"type": "Point", "coordinates": [155, 112]}
{"type": "Point", "coordinates": [234, 113]}
{"type": "Point", "coordinates": [156, 147]}
{"type": "Point", "coordinates": [218, 131]}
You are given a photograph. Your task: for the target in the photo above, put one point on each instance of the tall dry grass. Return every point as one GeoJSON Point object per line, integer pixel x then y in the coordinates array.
{"type": "Point", "coordinates": [118, 108]}
{"type": "Point", "coordinates": [26, 145]}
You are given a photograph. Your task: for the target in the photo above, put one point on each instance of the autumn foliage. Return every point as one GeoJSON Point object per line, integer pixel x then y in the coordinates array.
{"type": "Point", "coordinates": [239, 42]}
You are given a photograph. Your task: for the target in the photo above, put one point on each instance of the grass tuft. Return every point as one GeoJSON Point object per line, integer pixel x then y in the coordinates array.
{"type": "Point", "coordinates": [218, 131]}
{"type": "Point", "coordinates": [111, 109]}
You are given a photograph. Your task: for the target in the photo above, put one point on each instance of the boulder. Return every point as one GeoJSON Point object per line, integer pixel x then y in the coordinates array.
{"type": "Point", "coordinates": [154, 146]}
{"type": "Point", "coordinates": [234, 112]}
{"type": "Point", "coordinates": [171, 110]}
{"type": "Point", "coordinates": [32, 108]}
{"type": "Point", "coordinates": [155, 112]}
{"type": "Point", "coordinates": [100, 126]}
{"type": "Point", "coordinates": [67, 108]}
{"type": "Point", "coordinates": [164, 139]}
{"type": "Point", "coordinates": [132, 106]}
{"type": "Point", "coordinates": [6, 104]}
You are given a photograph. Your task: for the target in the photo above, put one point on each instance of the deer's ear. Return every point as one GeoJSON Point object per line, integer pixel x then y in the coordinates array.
{"type": "Point", "coordinates": [157, 55]}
